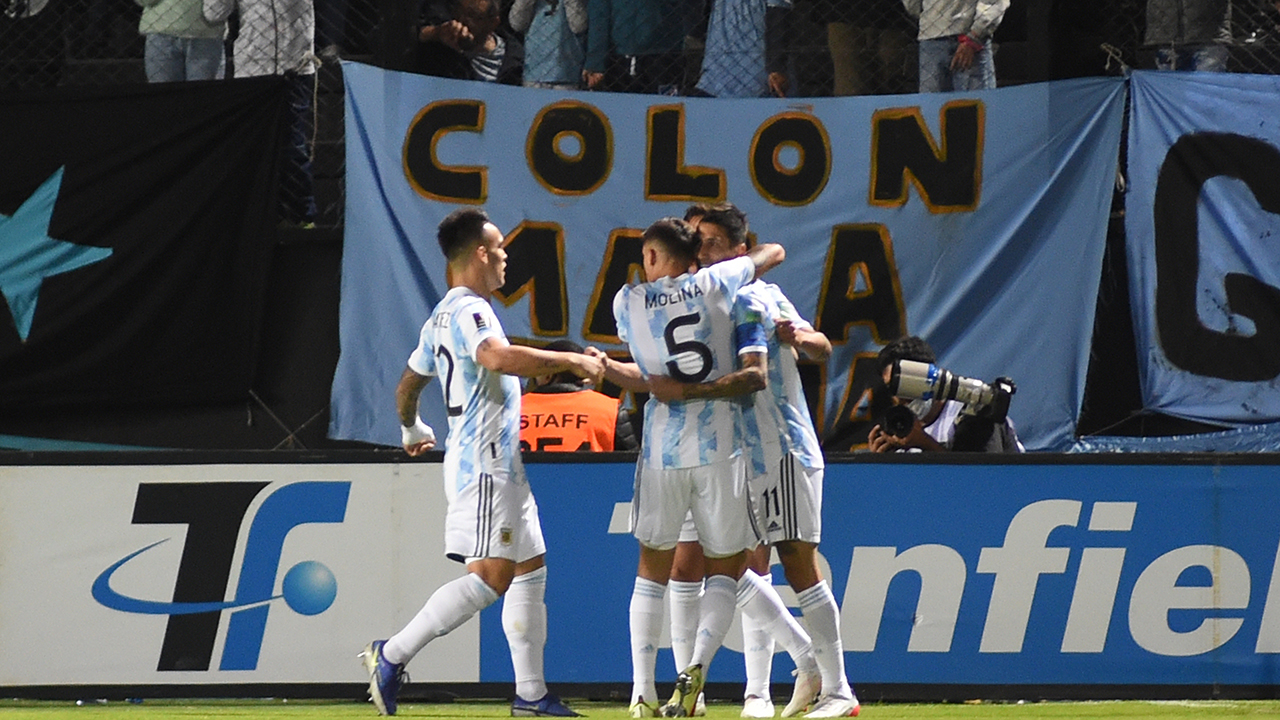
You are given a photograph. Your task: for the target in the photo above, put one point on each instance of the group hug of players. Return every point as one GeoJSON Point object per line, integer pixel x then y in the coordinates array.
{"type": "Point", "coordinates": [729, 470]}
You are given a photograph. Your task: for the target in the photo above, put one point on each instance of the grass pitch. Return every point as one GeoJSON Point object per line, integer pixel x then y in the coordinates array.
{"type": "Point", "coordinates": [322, 710]}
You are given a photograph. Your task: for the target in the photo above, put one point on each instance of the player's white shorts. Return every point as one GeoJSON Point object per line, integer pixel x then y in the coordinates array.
{"type": "Point", "coordinates": [688, 531]}
{"type": "Point", "coordinates": [714, 494]}
{"type": "Point", "coordinates": [788, 501]}
{"type": "Point", "coordinates": [494, 516]}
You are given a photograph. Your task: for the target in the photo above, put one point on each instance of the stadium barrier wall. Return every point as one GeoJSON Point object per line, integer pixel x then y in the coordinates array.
{"type": "Point", "coordinates": [196, 572]}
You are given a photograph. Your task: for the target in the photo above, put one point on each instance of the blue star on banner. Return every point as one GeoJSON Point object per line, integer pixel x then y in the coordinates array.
{"type": "Point", "coordinates": [28, 255]}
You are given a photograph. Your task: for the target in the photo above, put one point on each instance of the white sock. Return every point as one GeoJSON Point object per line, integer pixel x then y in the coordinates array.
{"type": "Point", "coordinates": [646, 632]}
{"type": "Point", "coordinates": [823, 617]}
{"type": "Point", "coordinates": [759, 600]}
{"type": "Point", "coordinates": [448, 607]}
{"type": "Point", "coordinates": [757, 652]}
{"type": "Point", "coordinates": [685, 601]}
{"type": "Point", "coordinates": [714, 618]}
{"type": "Point", "coordinates": [524, 620]}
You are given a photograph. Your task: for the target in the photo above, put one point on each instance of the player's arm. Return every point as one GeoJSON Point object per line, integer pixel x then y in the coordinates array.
{"type": "Point", "coordinates": [812, 343]}
{"type": "Point", "coordinates": [416, 436]}
{"type": "Point", "coordinates": [751, 377]}
{"type": "Point", "coordinates": [498, 355]}
{"type": "Point", "coordinates": [766, 256]}
{"type": "Point", "coordinates": [625, 375]}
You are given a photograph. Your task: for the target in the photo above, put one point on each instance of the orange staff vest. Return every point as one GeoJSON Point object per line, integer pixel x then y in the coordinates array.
{"type": "Point", "coordinates": [568, 422]}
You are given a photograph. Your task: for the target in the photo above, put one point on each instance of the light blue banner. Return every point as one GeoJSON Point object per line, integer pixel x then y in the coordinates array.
{"type": "Point", "coordinates": [1040, 571]}
{"type": "Point", "coordinates": [1203, 225]}
{"type": "Point", "coordinates": [977, 221]}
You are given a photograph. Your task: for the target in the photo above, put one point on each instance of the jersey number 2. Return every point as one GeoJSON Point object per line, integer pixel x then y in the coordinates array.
{"type": "Point", "coordinates": [454, 410]}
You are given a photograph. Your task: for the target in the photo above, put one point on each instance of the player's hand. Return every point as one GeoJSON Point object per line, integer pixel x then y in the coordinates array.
{"type": "Point", "coordinates": [779, 84]}
{"type": "Point", "coordinates": [666, 389]}
{"type": "Point", "coordinates": [417, 438]}
{"type": "Point", "coordinates": [590, 367]}
{"type": "Point", "coordinates": [418, 448]}
{"type": "Point", "coordinates": [786, 331]}
{"type": "Point", "coordinates": [963, 59]}
{"type": "Point", "coordinates": [592, 79]}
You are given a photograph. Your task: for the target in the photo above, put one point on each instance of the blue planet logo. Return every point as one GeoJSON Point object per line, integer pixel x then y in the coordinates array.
{"type": "Point", "coordinates": [309, 588]}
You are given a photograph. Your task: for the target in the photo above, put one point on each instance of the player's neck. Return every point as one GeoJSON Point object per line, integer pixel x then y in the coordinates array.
{"type": "Point", "coordinates": [674, 269]}
{"type": "Point", "coordinates": [472, 279]}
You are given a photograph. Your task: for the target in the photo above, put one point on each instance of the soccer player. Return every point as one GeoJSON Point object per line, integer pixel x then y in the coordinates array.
{"type": "Point", "coordinates": [688, 568]}
{"type": "Point", "coordinates": [785, 477]}
{"type": "Point", "coordinates": [492, 520]}
{"type": "Point", "coordinates": [679, 327]}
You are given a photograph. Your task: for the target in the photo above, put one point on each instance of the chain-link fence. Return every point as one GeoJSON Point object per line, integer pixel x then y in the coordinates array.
{"type": "Point", "coordinates": [722, 48]}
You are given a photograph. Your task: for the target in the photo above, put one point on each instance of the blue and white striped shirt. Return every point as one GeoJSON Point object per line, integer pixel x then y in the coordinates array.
{"type": "Point", "coordinates": [683, 327]}
{"type": "Point", "coordinates": [779, 420]}
{"type": "Point", "coordinates": [483, 405]}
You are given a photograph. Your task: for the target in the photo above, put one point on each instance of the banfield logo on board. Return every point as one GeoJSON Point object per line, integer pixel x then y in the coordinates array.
{"type": "Point", "coordinates": [1175, 586]}
{"type": "Point", "coordinates": [214, 513]}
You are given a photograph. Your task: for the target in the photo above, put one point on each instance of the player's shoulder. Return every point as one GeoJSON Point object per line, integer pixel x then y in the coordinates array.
{"type": "Point", "coordinates": [732, 274]}
{"type": "Point", "coordinates": [757, 294]}
{"type": "Point", "coordinates": [469, 304]}
{"type": "Point", "coordinates": [622, 300]}
{"type": "Point", "coordinates": [458, 298]}
{"type": "Point", "coordinates": [735, 267]}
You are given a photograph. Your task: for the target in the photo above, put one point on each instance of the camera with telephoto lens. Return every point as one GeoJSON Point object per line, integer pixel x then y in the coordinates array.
{"type": "Point", "coordinates": [926, 381]}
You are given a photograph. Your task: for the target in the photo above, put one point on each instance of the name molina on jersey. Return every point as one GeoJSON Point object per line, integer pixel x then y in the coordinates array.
{"type": "Point", "coordinates": [656, 300]}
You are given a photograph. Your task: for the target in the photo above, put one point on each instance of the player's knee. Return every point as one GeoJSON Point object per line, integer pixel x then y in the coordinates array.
{"type": "Point", "coordinates": [799, 564]}
{"type": "Point", "coordinates": [688, 564]}
{"type": "Point", "coordinates": [758, 559]}
{"type": "Point", "coordinates": [497, 573]}
{"type": "Point", "coordinates": [732, 565]}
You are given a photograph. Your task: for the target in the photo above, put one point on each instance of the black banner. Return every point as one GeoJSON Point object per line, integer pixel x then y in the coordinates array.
{"type": "Point", "coordinates": [136, 229]}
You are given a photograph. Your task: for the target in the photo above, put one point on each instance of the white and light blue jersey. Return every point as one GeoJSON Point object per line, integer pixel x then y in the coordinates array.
{"type": "Point", "coordinates": [483, 405]}
{"type": "Point", "coordinates": [683, 327]}
{"type": "Point", "coordinates": [778, 420]}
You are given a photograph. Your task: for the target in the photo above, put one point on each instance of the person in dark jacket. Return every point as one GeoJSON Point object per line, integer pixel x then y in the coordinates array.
{"type": "Point", "coordinates": [467, 40]}
{"type": "Point", "coordinates": [1189, 34]}
{"type": "Point", "coordinates": [559, 413]}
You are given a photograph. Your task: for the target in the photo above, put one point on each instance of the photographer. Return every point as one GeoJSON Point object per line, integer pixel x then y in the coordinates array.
{"type": "Point", "coordinates": [936, 425]}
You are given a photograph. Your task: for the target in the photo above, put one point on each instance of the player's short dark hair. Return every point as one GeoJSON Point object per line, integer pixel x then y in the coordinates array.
{"type": "Point", "coordinates": [461, 230]}
{"type": "Point", "coordinates": [908, 347]}
{"type": "Point", "coordinates": [676, 237]}
{"type": "Point", "coordinates": [696, 210]}
{"type": "Point", "coordinates": [729, 217]}
{"type": "Point", "coordinates": [565, 345]}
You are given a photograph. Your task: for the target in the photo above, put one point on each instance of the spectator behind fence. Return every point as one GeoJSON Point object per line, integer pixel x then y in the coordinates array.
{"type": "Point", "coordinates": [181, 43]}
{"type": "Point", "coordinates": [559, 413]}
{"type": "Point", "coordinates": [276, 37]}
{"type": "Point", "coordinates": [466, 40]}
{"type": "Point", "coordinates": [1189, 34]}
{"type": "Point", "coordinates": [635, 46]}
{"type": "Point", "coordinates": [746, 51]}
{"type": "Point", "coordinates": [870, 46]}
{"type": "Point", "coordinates": [956, 52]}
{"type": "Point", "coordinates": [554, 41]}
